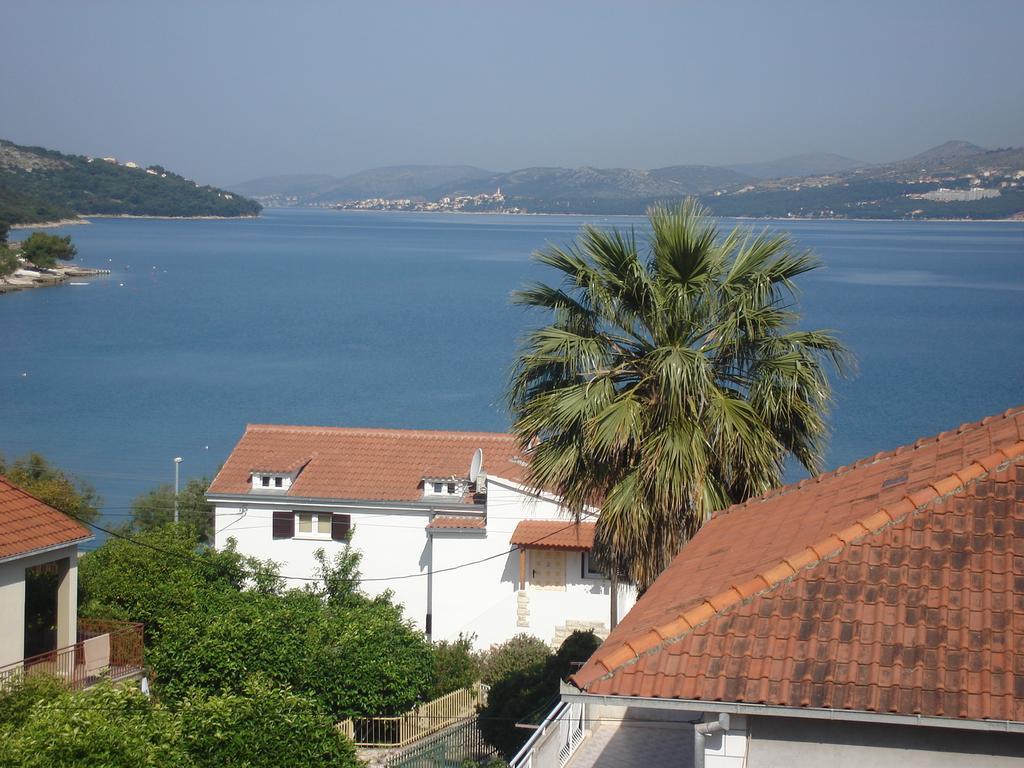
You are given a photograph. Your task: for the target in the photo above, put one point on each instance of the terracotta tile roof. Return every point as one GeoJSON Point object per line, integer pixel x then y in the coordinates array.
{"type": "Point", "coordinates": [457, 522]}
{"type": "Point", "coordinates": [27, 524]}
{"type": "Point", "coordinates": [895, 585]}
{"type": "Point", "coordinates": [364, 464]}
{"type": "Point", "coordinates": [553, 534]}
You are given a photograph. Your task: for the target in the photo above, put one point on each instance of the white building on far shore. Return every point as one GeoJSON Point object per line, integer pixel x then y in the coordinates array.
{"type": "Point", "coordinates": [443, 520]}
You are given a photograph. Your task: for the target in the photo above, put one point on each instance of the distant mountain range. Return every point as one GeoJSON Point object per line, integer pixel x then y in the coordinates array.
{"type": "Point", "coordinates": [808, 185]}
{"type": "Point", "coordinates": [38, 184]}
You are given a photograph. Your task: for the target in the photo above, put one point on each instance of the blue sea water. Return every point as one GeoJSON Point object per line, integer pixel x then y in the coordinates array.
{"type": "Point", "coordinates": [404, 320]}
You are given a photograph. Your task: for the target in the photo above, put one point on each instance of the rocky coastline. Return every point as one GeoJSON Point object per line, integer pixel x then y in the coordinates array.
{"type": "Point", "coordinates": [28, 277]}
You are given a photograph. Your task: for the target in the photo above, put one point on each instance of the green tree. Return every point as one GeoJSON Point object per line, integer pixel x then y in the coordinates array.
{"type": "Point", "coordinates": [527, 694]}
{"type": "Point", "coordinates": [159, 574]}
{"type": "Point", "coordinates": [71, 495]}
{"type": "Point", "coordinates": [670, 384]}
{"type": "Point", "coordinates": [155, 508]}
{"type": "Point", "coordinates": [45, 250]}
{"type": "Point", "coordinates": [8, 261]}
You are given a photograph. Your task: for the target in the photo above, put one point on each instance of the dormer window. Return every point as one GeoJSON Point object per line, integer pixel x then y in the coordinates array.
{"type": "Point", "coordinates": [278, 481]}
{"type": "Point", "coordinates": [265, 481]}
{"type": "Point", "coordinates": [438, 487]}
{"type": "Point", "coordinates": [443, 487]}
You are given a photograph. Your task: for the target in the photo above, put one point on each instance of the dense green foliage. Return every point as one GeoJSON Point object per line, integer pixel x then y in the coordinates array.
{"type": "Point", "coordinates": [214, 619]}
{"type": "Point", "coordinates": [46, 250]}
{"type": "Point", "coordinates": [33, 473]}
{"type": "Point", "coordinates": [156, 508]}
{"type": "Point", "coordinates": [8, 261]}
{"type": "Point", "coordinates": [514, 655]}
{"type": "Point", "coordinates": [161, 574]}
{"type": "Point", "coordinates": [119, 727]}
{"type": "Point", "coordinates": [669, 384]}
{"type": "Point", "coordinates": [527, 694]}
{"type": "Point", "coordinates": [62, 185]}
{"type": "Point", "coordinates": [455, 665]}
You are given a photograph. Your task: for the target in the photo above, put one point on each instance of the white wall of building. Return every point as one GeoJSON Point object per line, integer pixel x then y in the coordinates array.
{"type": "Point", "coordinates": [481, 599]}
{"type": "Point", "coordinates": [12, 601]}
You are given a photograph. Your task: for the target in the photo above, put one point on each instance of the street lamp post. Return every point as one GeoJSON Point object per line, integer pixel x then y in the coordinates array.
{"type": "Point", "coordinates": [177, 464]}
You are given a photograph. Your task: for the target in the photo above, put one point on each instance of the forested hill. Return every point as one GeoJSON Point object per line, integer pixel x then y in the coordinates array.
{"type": "Point", "coordinates": [39, 184]}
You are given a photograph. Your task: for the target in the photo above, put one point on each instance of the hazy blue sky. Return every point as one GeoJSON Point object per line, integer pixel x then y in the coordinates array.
{"type": "Point", "coordinates": [226, 91]}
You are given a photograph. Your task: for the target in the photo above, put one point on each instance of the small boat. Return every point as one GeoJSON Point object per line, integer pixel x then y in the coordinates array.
{"type": "Point", "coordinates": [77, 283]}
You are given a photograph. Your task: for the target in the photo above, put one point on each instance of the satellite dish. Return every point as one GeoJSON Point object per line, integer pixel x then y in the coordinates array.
{"type": "Point", "coordinates": [476, 464]}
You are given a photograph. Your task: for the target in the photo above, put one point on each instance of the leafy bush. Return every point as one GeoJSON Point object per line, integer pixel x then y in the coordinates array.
{"type": "Point", "coordinates": [528, 693]}
{"type": "Point", "coordinates": [8, 261]}
{"type": "Point", "coordinates": [114, 727]}
{"type": "Point", "coordinates": [262, 727]}
{"type": "Point", "coordinates": [455, 665]}
{"type": "Point", "coordinates": [519, 653]}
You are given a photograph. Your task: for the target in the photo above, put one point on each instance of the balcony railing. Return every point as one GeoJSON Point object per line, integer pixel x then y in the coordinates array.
{"type": "Point", "coordinates": [425, 719]}
{"type": "Point", "coordinates": [106, 650]}
{"type": "Point", "coordinates": [555, 740]}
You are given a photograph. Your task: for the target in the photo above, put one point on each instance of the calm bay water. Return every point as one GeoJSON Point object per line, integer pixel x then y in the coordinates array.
{"type": "Point", "coordinates": [403, 320]}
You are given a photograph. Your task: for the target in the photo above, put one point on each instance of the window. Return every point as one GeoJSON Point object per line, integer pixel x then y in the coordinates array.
{"type": "Point", "coordinates": [313, 525]}
{"type": "Point", "coordinates": [590, 568]}
{"type": "Point", "coordinates": [265, 479]}
{"type": "Point", "coordinates": [438, 487]}
{"type": "Point", "coordinates": [278, 482]}
{"type": "Point", "coordinates": [451, 487]}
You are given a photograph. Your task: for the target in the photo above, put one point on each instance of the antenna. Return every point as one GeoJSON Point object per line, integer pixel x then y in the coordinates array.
{"type": "Point", "coordinates": [476, 464]}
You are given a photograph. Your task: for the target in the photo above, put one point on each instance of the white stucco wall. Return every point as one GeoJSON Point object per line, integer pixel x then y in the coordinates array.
{"type": "Point", "coordinates": [480, 599]}
{"type": "Point", "coordinates": [778, 742]}
{"type": "Point", "coordinates": [12, 602]}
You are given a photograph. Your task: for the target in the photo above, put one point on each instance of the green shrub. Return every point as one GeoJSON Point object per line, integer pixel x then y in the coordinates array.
{"type": "Point", "coordinates": [262, 727]}
{"type": "Point", "coordinates": [455, 665]}
{"type": "Point", "coordinates": [112, 727]}
{"type": "Point", "coordinates": [519, 653]}
{"type": "Point", "coordinates": [16, 701]}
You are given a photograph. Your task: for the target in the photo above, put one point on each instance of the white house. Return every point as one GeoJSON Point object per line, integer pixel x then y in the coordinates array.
{"type": "Point", "coordinates": [870, 616]}
{"type": "Point", "coordinates": [443, 520]}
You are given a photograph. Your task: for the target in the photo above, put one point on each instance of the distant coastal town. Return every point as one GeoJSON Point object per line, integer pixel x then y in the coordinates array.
{"type": "Point", "coordinates": [484, 203]}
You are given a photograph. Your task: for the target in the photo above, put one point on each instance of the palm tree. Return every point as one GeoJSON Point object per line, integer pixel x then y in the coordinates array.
{"type": "Point", "coordinates": [671, 384]}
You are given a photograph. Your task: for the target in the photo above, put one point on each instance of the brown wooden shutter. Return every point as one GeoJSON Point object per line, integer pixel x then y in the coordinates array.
{"type": "Point", "coordinates": [340, 526]}
{"type": "Point", "coordinates": [284, 525]}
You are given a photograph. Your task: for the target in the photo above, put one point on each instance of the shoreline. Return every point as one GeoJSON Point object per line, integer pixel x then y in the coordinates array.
{"type": "Point", "coordinates": [86, 219]}
{"type": "Point", "coordinates": [51, 277]}
{"type": "Point", "coordinates": [1011, 220]}
{"type": "Point", "coordinates": [48, 224]}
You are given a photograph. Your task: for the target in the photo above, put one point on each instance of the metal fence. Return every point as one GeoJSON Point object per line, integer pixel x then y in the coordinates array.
{"type": "Point", "coordinates": [455, 746]}
{"type": "Point", "coordinates": [555, 741]}
{"type": "Point", "coordinates": [422, 721]}
{"type": "Point", "coordinates": [105, 650]}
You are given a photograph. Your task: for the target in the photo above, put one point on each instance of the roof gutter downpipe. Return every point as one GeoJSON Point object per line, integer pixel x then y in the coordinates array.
{"type": "Point", "coordinates": [700, 732]}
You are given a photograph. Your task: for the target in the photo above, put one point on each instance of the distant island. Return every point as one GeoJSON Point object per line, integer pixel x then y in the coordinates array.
{"type": "Point", "coordinates": [955, 180]}
{"type": "Point", "coordinates": [43, 185]}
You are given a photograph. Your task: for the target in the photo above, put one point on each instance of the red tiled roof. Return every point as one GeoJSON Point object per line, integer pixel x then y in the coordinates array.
{"type": "Point", "coordinates": [364, 464]}
{"type": "Point", "coordinates": [553, 534]}
{"type": "Point", "coordinates": [457, 522]}
{"type": "Point", "coordinates": [895, 585]}
{"type": "Point", "coordinates": [27, 524]}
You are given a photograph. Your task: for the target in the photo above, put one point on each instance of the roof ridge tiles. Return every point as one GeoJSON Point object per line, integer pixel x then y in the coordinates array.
{"type": "Point", "coordinates": [880, 456]}
{"type": "Point", "coordinates": [807, 557]}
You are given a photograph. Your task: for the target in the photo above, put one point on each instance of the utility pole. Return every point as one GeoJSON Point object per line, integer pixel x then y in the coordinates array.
{"type": "Point", "coordinates": [177, 464]}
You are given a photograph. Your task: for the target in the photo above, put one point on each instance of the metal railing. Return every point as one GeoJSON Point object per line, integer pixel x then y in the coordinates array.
{"type": "Point", "coordinates": [555, 740]}
{"type": "Point", "coordinates": [424, 720]}
{"type": "Point", "coordinates": [106, 649]}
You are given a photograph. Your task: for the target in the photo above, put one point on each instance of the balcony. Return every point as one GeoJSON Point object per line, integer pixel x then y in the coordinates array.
{"type": "Point", "coordinates": [106, 650]}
